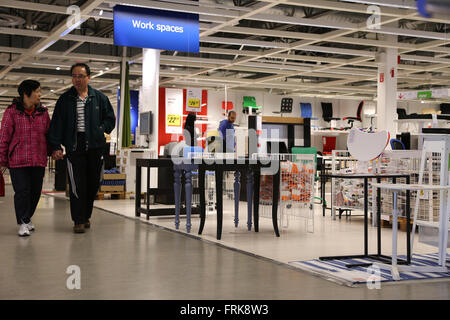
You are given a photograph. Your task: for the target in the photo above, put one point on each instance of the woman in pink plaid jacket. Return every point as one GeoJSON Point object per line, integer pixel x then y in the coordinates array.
{"type": "Point", "coordinates": [23, 149]}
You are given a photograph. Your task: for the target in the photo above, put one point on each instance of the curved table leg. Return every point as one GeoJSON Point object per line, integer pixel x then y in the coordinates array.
{"type": "Point", "coordinates": [177, 191]}
{"type": "Point", "coordinates": [256, 177]}
{"type": "Point", "coordinates": [219, 196]}
{"type": "Point", "coordinates": [201, 185]}
{"type": "Point", "coordinates": [249, 199]}
{"type": "Point", "coordinates": [276, 194]}
{"type": "Point", "coordinates": [237, 189]}
{"type": "Point", "coordinates": [188, 190]}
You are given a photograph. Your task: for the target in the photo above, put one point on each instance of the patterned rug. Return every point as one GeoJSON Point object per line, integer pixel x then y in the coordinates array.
{"type": "Point", "coordinates": [336, 270]}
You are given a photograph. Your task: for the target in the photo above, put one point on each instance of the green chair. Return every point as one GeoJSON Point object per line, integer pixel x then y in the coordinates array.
{"type": "Point", "coordinates": [249, 102]}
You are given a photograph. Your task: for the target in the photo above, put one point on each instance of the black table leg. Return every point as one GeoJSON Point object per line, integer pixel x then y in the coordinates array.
{"type": "Point", "coordinates": [408, 223]}
{"type": "Point", "coordinates": [201, 185]}
{"type": "Point", "coordinates": [256, 189]}
{"type": "Point", "coordinates": [219, 196]}
{"type": "Point", "coordinates": [137, 202]}
{"type": "Point", "coordinates": [366, 224]}
{"type": "Point", "coordinates": [148, 193]}
{"type": "Point", "coordinates": [275, 196]}
{"type": "Point", "coordinates": [322, 187]}
{"type": "Point", "coordinates": [379, 218]}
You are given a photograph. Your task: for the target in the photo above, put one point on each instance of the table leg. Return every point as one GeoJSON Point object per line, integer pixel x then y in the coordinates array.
{"type": "Point", "coordinates": [188, 190]}
{"type": "Point", "coordinates": [201, 185]}
{"type": "Point", "coordinates": [137, 203]}
{"type": "Point", "coordinates": [408, 223]}
{"type": "Point", "coordinates": [379, 218]}
{"type": "Point", "coordinates": [219, 196]}
{"type": "Point", "coordinates": [249, 199]}
{"type": "Point", "coordinates": [177, 191]}
{"type": "Point", "coordinates": [322, 187]}
{"type": "Point", "coordinates": [256, 189]}
{"type": "Point", "coordinates": [237, 190]}
{"type": "Point", "coordinates": [148, 193]}
{"type": "Point", "coordinates": [366, 223]}
{"type": "Point", "coordinates": [395, 272]}
{"type": "Point", "coordinates": [275, 196]}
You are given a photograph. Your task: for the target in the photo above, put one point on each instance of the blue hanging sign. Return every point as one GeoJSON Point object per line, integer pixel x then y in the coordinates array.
{"type": "Point", "coordinates": [157, 29]}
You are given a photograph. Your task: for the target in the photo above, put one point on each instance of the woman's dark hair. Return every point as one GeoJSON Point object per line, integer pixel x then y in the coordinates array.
{"type": "Point", "coordinates": [27, 87]}
{"type": "Point", "coordinates": [83, 65]}
{"type": "Point", "coordinates": [189, 126]}
{"type": "Point", "coordinates": [190, 120]}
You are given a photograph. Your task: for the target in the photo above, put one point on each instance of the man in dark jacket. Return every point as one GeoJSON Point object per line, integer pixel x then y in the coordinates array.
{"type": "Point", "coordinates": [81, 117]}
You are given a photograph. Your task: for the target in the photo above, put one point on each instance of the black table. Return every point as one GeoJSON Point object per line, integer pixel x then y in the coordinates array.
{"type": "Point", "coordinates": [378, 256]}
{"type": "Point", "coordinates": [219, 167]}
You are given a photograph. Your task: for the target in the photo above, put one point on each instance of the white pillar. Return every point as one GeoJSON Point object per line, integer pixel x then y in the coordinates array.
{"type": "Point", "coordinates": [150, 91]}
{"type": "Point", "coordinates": [122, 98]}
{"type": "Point", "coordinates": [387, 88]}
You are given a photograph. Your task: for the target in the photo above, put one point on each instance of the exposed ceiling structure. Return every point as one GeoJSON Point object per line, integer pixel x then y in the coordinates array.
{"type": "Point", "coordinates": [321, 48]}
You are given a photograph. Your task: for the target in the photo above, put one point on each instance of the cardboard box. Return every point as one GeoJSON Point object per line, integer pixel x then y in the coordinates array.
{"type": "Point", "coordinates": [112, 188]}
{"type": "Point", "coordinates": [114, 176]}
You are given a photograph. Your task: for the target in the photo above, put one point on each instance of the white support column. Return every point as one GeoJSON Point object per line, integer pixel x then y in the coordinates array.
{"type": "Point", "coordinates": [122, 98]}
{"type": "Point", "coordinates": [150, 102]}
{"type": "Point", "coordinates": [387, 88]}
{"type": "Point", "coordinates": [150, 91]}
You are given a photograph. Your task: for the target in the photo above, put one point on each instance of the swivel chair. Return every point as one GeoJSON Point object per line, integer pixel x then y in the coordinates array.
{"type": "Point", "coordinates": [327, 112]}
{"type": "Point", "coordinates": [306, 111]}
{"type": "Point", "coordinates": [397, 145]}
{"type": "Point", "coordinates": [286, 106]}
{"type": "Point", "coordinates": [358, 115]}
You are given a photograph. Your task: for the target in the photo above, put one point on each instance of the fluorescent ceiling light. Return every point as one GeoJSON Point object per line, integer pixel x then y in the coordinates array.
{"type": "Point", "coordinates": [46, 46]}
{"type": "Point", "coordinates": [74, 26]}
{"type": "Point", "coordinates": [387, 3]}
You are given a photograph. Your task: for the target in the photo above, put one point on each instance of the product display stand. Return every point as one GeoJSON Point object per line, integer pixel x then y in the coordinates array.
{"type": "Point", "coordinates": [378, 256]}
{"type": "Point", "coordinates": [394, 267]}
{"type": "Point", "coordinates": [437, 144]}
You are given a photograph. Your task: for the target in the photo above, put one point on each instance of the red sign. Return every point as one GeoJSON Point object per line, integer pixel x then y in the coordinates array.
{"type": "Point", "coordinates": [392, 73]}
{"type": "Point", "coordinates": [381, 77]}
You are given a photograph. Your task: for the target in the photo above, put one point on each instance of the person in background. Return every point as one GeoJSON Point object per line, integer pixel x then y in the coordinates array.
{"type": "Point", "coordinates": [23, 149]}
{"type": "Point", "coordinates": [226, 131]}
{"type": "Point", "coordinates": [82, 115]}
{"type": "Point", "coordinates": [190, 136]}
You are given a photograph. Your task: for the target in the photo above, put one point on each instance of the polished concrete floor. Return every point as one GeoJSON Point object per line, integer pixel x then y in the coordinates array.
{"type": "Point", "coordinates": [120, 258]}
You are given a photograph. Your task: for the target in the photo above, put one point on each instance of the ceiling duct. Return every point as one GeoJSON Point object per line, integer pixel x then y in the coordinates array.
{"type": "Point", "coordinates": [7, 20]}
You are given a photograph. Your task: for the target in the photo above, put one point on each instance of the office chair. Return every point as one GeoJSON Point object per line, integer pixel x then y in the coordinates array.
{"type": "Point", "coordinates": [286, 106]}
{"type": "Point", "coordinates": [445, 108]}
{"type": "Point", "coordinates": [306, 111]}
{"type": "Point", "coordinates": [327, 112]}
{"type": "Point", "coordinates": [397, 145]}
{"type": "Point", "coordinates": [249, 102]}
{"type": "Point", "coordinates": [358, 115]}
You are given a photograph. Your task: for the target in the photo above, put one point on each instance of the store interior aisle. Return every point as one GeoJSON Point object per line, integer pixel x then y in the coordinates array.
{"type": "Point", "coordinates": [120, 258]}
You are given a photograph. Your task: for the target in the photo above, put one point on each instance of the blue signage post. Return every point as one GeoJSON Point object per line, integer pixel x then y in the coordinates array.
{"type": "Point", "coordinates": [156, 29]}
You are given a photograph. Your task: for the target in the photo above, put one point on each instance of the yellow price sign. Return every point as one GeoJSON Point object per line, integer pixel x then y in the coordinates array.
{"type": "Point", "coordinates": [173, 120]}
{"type": "Point", "coordinates": [194, 103]}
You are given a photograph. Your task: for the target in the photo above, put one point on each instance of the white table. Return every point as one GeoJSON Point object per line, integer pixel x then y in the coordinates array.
{"type": "Point", "coordinates": [396, 269]}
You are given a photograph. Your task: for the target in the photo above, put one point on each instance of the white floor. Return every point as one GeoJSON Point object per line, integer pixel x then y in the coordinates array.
{"type": "Point", "coordinates": [330, 237]}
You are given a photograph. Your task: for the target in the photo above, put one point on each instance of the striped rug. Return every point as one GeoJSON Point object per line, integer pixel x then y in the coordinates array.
{"type": "Point", "coordinates": [336, 270]}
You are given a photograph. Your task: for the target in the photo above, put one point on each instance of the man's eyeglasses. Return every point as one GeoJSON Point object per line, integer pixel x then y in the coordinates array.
{"type": "Point", "coordinates": [78, 76]}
